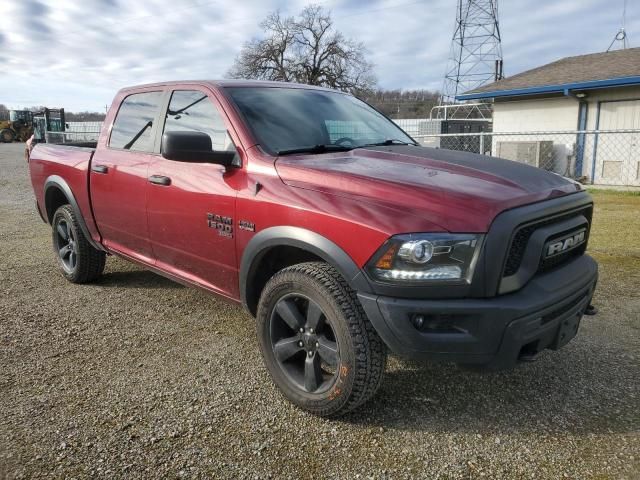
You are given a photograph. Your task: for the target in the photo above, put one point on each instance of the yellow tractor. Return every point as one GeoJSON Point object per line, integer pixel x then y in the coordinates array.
{"type": "Point", "coordinates": [18, 127]}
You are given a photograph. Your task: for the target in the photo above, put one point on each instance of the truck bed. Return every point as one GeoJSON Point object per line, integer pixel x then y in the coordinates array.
{"type": "Point", "coordinates": [71, 163]}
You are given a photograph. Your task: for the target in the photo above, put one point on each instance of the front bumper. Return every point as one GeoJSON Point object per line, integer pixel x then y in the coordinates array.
{"type": "Point", "coordinates": [495, 332]}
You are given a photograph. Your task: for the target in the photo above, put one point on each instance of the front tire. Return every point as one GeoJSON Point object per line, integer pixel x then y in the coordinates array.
{"type": "Point", "coordinates": [78, 260]}
{"type": "Point", "coordinates": [7, 135]}
{"type": "Point", "coordinates": [317, 343]}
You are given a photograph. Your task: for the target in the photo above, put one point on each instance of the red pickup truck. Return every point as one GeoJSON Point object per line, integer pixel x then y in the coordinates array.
{"type": "Point", "coordinates": [341, 235]}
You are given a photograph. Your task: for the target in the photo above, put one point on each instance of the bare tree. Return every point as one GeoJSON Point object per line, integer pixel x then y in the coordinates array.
{"type": "Point", "coordinates": [402, 104]}
{"type": "Point", "coordinates": [305, 50]}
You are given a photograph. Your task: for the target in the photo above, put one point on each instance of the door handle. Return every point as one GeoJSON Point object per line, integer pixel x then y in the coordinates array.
{"type": "Point", "coordinates": [99, 168]}
{"type": "Point", "coordinates": [160, 180]}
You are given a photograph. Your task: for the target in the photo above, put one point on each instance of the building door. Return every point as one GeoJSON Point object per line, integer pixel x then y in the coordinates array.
{"type": "Point", "coordinates": [617, 159]}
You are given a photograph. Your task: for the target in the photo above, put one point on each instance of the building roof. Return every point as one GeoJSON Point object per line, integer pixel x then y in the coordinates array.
{"type": "Point", "coordinates": [596, 70]}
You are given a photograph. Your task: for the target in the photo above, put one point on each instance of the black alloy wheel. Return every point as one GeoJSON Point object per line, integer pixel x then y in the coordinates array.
{"type": "Point", "coordinates": [317, 343]}
{"type": "Point", "coordinates": [304, 343]}
{"type": "Point", "coordinates": [65, 243]}
{"type": "Point", "coordinates": [80, 262]}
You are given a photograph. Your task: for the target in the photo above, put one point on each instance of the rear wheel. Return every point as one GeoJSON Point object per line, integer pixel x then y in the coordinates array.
{"type": "Point", "coordinates": [318, 345]}
{"type": "Point", "coordinates": [7, 135]}
{"type": "Point", "coordinates": [78, 260]}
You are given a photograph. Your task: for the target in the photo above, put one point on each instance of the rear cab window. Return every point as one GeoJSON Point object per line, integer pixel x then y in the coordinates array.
{"type": "Point", "coordinates": [133, 126]}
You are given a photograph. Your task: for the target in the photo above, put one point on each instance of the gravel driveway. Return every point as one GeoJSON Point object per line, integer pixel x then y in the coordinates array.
{"type": "Point", "coordinates": [135, 376]}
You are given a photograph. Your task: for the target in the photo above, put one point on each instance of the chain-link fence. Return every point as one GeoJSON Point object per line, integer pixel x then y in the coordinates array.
{"type": "Point", "coordinates": [601, 157]}
{"type": "Point", "coordinates": [418, 126]}
{"type": "Point", "coordinates": [76, 132]}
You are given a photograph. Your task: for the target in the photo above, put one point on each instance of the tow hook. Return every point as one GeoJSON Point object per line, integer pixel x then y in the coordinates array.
{"type": "Point", "coordinates": [590, 310]}
{"type": "Point", "coordinates": [528, 357]}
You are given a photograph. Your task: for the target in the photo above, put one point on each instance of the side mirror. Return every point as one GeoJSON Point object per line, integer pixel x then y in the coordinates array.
{"type": "Point", "coordinates": [193, 147]}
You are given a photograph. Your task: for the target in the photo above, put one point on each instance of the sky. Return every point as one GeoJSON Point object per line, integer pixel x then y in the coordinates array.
{"type": "Point", "coordinates": [77, 54]}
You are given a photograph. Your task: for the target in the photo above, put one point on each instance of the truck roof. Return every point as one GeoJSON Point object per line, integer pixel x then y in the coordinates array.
{"type": "Point", "coordinates": [229, 83]}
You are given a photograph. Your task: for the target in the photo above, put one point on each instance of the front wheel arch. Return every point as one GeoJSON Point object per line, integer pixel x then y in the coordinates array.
{"type": "Point", "coordinates": [311, 246]}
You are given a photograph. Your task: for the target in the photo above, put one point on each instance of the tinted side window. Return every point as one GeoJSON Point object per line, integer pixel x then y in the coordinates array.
{"type": "Point", "coordinates": [133, 125]}
{"type": "Point", "coordinates": [190, 110]}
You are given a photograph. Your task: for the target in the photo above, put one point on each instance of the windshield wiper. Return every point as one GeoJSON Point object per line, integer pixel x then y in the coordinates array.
{"type": "Point", "coordinates": [128, 146]}
{"type": "Point", "coordinates": [184, 109]}
{"type": "Point", "coordinates": [389, 141]}
{"type": "Point", "coordinates": [320, 148]}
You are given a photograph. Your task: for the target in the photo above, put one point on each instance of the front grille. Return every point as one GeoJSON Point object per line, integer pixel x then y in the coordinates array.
{"type": "Point", "coordinates": [523, 234]}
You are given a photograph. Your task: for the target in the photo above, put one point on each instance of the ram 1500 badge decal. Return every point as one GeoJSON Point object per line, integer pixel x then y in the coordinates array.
{"type": "Point", "coordinates": [224, 225]}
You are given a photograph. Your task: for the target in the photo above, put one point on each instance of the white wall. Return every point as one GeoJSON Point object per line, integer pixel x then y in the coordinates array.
{"type": "Point", "coordinates": [561, 114]}
{"type": "Point", "coordinates": [536, 115]}
{"type": "Point", "coordinates": [540, 115]}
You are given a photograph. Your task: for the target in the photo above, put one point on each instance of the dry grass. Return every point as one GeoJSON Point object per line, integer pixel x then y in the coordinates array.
{"type": "Point", "coordinates": [616, 227]}
{"type": "Point", "coordinates": [614, 243]}
{"type": "Point", "coordinates": [616, 224]}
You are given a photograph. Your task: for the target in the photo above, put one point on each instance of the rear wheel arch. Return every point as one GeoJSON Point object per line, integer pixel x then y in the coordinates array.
{"type": "Point", "coordinates": [276, 248]}
{"type": "Point", "coordinates": [57, 193]}
{"type": "Point", "coordinates": [54, 198]}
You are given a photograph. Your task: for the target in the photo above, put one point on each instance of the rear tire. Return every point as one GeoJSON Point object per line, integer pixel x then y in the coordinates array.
{"type": "Point", "coordinates": [316, 341]}
{"type": "Point", "coordinates": [7, 135]}
{"type": "Point", "coordinates": [78, 260]}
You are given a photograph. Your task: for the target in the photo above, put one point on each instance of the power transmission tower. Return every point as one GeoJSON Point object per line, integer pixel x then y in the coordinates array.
{"type": "Point", "coordinates": [476, 52]}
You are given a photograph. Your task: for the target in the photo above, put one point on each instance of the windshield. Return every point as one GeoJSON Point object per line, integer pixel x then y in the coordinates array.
{"type": "Point", "coordinates": [292, 120]}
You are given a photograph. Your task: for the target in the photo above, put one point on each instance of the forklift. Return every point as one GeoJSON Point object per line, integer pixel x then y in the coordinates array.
{"type": "Point", "coordinates": [24, 123]}
{"type": "Point", "coordinates": [18, 127]}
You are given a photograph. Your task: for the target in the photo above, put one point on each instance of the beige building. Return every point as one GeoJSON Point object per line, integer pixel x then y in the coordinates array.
{"type": "Point", "coordinates": [593, 93]}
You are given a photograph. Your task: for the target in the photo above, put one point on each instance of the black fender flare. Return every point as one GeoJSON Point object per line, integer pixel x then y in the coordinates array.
{"type": "Point", "coordinates": [303, 239]}
{"type": "Point", "coordinates": [55, 181]}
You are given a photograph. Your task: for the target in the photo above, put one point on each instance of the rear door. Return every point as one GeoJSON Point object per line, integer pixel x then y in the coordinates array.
{"type": "Point", "coordinates": [119, 176]}
{"type": "Point", "coordinates": [191, 206]}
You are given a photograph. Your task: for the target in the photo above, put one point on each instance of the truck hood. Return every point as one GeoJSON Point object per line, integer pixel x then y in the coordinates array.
{"type": "Point", "coordinates": [459, 191]}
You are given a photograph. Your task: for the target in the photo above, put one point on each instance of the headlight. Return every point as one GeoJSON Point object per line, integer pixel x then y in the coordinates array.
{"type": "Point", "coordinates": [424, 258]}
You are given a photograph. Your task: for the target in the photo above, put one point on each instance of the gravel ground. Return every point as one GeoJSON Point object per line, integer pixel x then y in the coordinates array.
{"type": "Point", "coordinates": [135, 376]}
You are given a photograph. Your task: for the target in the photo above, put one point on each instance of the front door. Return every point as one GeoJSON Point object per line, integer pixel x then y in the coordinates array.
{"type": "Point", "coordinates": [119, 176]}
{"type": "Point", "coordinates": [191, 206]}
